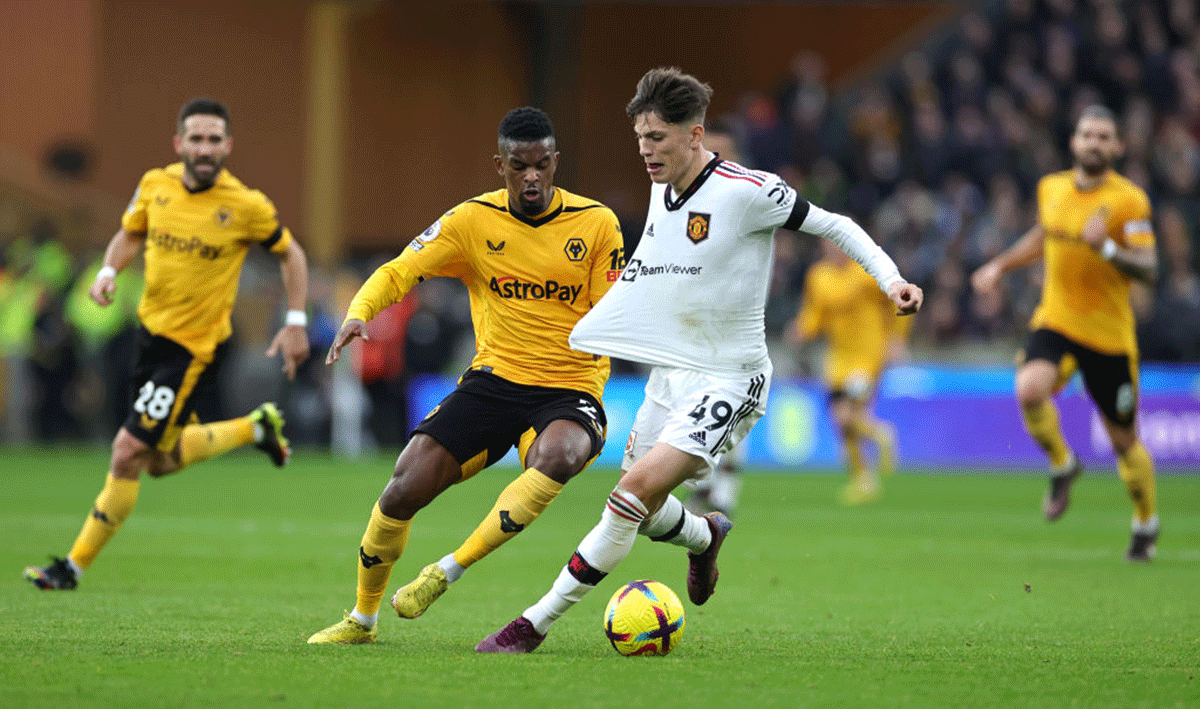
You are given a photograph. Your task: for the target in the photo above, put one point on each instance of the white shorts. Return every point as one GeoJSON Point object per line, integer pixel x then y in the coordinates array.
{"type": "Point", "coordinates": [697, 413]}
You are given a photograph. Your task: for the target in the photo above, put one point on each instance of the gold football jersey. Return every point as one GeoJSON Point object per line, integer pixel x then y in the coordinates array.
{"type": "Point", "coordinates": [1085, 297]}
{"type": "Point", "coordinates": [530, 280]}
{"type": "Point", "coordinates": [196, 243]}
{"type": "Point", "coordinates": [844, 305]}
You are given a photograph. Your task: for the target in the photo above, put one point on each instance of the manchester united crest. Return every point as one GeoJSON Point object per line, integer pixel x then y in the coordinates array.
{"type": "Point", "coordinates": [697, 226]}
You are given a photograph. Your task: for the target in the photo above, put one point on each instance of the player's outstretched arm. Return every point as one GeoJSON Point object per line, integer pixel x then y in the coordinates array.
{"type": "Point", "coordinates": [292, 338]}
{"type": "Point", "coordinates": [387, 285]}
{"type": "Point", "coordinates": [1025, 252]}
{"type": "Point", "coordinates": [352, 328]}
{"type": "Point", "coordinates": [122, 249]}
{"type": "Point", "coordinates": [858, 245]}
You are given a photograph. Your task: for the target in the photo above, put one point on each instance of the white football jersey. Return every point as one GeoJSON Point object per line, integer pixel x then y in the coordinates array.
{"type": "Point", "coordinates": [692, 295]}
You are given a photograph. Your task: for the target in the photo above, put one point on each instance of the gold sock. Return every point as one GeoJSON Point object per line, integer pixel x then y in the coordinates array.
{"type": "Point", "coordinates": [1042, 424]}
{"type": "Point", "coordinates": [854, 456]}
{"type": "Point", "coordinates": [382, 545]}
{"type": "Point", "coordinates": [518, 505]}
{"type": "Point", "coordinates": [113, 505]}
{"type": "Point", "coordinates": [1136, 469]}
{"type": "Point", "coordinates": [203, 441]}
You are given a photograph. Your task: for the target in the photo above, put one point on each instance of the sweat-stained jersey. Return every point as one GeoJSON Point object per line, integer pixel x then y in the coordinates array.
{"type": "Point", "coordinates": [702, 269]}
{"type": "Point", "coordinates": [1085, 297]}
{"type": "Point", "coordinates": [195, 245]}
{"type": "Point", "coordinates": [844, 305]}
{"type": "Point", "coordinates": [530, 280]}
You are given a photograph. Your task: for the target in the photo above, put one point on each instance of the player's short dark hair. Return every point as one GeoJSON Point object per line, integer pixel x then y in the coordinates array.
{"type": "Point", "coordinates": [525, 125]}
{"type": "Point", "coordinates": [203, 107]}
{"type": "Point", "coordinates": [1099, 112]}
{"type": "Point", "coordinates": [676, 97]}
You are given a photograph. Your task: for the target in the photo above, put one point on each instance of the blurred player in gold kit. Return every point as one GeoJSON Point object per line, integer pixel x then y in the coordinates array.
{"type": "Point", "coordinates": [842, 305]}
{"type": "Point", "coordinates": [1095, 234]}
{"type": "Point", "coordinates": [535, 259]}
{"type": "Point", "coordinates": [195, 222]}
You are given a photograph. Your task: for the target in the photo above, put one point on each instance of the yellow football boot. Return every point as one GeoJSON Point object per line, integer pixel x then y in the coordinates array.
{"type": "Point", "coordinates": [863, 491]}
{"type": "Point", "coordinates": [415, 598]}
{"type": "Point", "coordinates": [349, 632]}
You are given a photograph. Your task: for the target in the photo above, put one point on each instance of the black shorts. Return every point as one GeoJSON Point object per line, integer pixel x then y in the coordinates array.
{"type": "Point", "coordinates": [168, 382]}
{"type": "Point", "coordinates": [1111, 380]}
{"type": "Point", "coordinates": [486, 415]}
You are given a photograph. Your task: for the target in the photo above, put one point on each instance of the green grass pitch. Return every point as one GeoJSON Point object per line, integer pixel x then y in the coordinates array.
{"type": "Point", "coordinates": [949, 592]}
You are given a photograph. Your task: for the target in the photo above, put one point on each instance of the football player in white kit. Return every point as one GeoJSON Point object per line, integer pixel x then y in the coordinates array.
{"type": "Point", "coordinates": [690, 303]}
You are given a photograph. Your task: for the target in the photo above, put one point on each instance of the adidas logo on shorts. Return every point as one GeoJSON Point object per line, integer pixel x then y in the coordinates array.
{"type": "Point", "coordinates": [698, 436]}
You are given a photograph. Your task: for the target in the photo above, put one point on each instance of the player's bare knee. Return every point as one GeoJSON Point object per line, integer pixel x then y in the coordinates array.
{"type": "Point", "coordinates": [1123, 438]}
{"type": "Point", "coordinates": [1035, 383]}
{"type": "Point", "coordinates": [128, 456]}
{"type": "Point", "coordinates": [413, 486]}
{"type": "Point", "coordinates": [160, 464]}
{"type": "Point", "coordinates": [560, 462]}
{"type": "Point", "coordinates": [403, 497]}
{"type": "Point", "coordinates": [1031, 394]}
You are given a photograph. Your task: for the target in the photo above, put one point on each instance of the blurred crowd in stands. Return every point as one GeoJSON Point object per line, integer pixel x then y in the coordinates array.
{"type": "Point", "coordinates": [937, 156]}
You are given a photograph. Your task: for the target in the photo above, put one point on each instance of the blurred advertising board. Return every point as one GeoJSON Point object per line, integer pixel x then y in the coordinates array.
{"type": "Point", "coordinates": [945, 418]}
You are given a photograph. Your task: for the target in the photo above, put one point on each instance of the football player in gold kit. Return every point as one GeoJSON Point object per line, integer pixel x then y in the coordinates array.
{"type": "Point", "coordinates": [194, 221]}
{"type": "Point", "coordinates": [844, 306]}
{"type": "Point", "coordinates": [535, 258]}
{"type": "Point", "coordinates": [1094, 232]}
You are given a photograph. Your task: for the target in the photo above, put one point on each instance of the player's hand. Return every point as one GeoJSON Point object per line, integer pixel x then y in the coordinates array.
{"type": "Point", "coordinates": [292, 341]}
{"type": "Point", "coordinates": [102, 289]}
{"type": "Point", "coordinates": [906, 296]}
{"type": "Point", "coordinates": [1095, 229]}
{"type": "Point", "coordinates": [986, 277]}
{"type": "Point", "coordinates": [351, 329]}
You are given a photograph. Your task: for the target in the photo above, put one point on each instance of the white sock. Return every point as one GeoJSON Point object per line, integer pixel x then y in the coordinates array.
{"type": "Point", "coordinates": [367, 620]}
{"type": "Point", "coordinates": [79, 571]}
{"type": "Point", "coordinates": [1150, 526]}
{"type": "Point", "coordinates": [693, 532]}
{"type": "Point", "coordinates": [599, 553]}
{"type": "Point", "coordinates": [259, 432]}
{"type": "Point", "coordinates": [1066, 467]}
{"type": "Point", "coordinates": [451, 568]}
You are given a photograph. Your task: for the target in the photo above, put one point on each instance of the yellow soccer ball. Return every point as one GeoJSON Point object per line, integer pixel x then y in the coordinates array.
{"type": "Point", "coordinates": [644, 618]}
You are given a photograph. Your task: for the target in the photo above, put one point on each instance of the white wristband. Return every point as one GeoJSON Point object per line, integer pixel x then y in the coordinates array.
{"type": "Point", "coordinates": [296, 317]}
{"type": "Point", "coordinates": [1108, 250]}
{"type": "Point", "coordinates": [106, 272]}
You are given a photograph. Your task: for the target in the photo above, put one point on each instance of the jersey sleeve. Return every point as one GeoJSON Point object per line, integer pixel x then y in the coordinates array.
{"type": "Point", "coordinates": [775, 204]}
{"type": "Point", "coordinates": [437, 251]}
{"type": "Point", "coordinates": [134, 218]}
{"type": "Point", "coordinates": [263, 224]}
{"type": "Point", "coordinates": [609, 259]}
{"type": "Point", "coordinates": [1134, 224]}
{"type": "Point", "coordinates": [442, 249]}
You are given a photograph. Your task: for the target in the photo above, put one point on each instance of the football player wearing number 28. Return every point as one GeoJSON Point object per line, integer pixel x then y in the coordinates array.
{"type": "Point", "coordinates": [194, 222]}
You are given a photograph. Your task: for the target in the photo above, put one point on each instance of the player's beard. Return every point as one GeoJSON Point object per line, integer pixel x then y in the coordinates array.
{"type": "Point", "coordinates": [204, 182]}
{"type": "Point", "coordinates": [1094, 164]}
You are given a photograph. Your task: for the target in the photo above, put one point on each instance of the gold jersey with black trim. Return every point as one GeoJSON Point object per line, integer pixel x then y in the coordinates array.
{"type": "Point", "coordinates": [843, 304]}
{"type": "Point", "coordinates": [530, 278]}
{"type": "Point", "coordinates": [1085, 297]}
{"type": "Point", "coordinates": [195, 245]}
